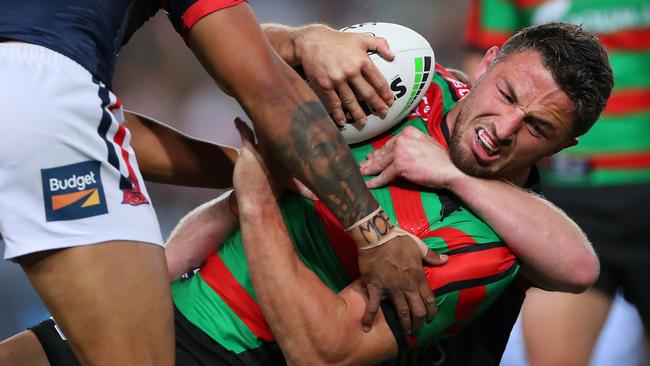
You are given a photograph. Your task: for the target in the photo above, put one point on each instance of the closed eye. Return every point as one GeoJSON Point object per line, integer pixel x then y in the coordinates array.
{"type": "Point", "coordinates": [506, 97]}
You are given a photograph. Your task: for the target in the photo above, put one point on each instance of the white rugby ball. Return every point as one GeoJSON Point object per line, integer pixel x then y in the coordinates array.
{"type": "Point", "coordinates": [409, 76]}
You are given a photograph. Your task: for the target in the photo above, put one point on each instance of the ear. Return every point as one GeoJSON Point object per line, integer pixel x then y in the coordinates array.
{"type": "Point", "coordinates": [484, 65]}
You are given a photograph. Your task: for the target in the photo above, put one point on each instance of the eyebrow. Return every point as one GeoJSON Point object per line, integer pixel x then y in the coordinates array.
{"type": "Point", "coordinates": [548, 126]}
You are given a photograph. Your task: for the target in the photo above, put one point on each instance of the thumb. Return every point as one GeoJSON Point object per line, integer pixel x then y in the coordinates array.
{"type": "Point", "coordinates": [434, 259]}
{"type": "Point", "coordinates": [246, 134]}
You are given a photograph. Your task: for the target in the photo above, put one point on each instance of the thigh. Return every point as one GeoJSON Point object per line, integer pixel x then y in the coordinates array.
{"type": "Point", "coordinates": [22, 349]}
{"type": "Point", "coordinates": [561, 328]}
{"type": "Point", "coordinates": [112, 300]}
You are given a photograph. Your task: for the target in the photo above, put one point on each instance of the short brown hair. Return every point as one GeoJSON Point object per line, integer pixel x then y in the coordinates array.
{"type": "Point", "coordinates": [578, 62]}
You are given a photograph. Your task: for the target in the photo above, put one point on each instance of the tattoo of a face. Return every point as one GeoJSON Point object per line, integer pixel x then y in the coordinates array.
{"type": "Point", "coordinates": [323, 159]}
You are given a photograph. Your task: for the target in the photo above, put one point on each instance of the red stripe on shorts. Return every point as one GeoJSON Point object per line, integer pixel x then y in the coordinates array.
{"type": "Point", "coordinates": [119, 137]}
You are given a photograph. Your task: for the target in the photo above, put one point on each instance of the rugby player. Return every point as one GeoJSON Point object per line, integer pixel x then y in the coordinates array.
{"type": "Point", "coordinates": [603, 183]}
{"type": "Point", "coordinates": [525, 113]}
{"type": "Point", "coordinates": [87, 189]}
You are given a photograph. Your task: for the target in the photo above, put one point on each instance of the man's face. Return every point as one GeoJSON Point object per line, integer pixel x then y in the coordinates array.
{"type": "Point", "coordinates": [513, 117]}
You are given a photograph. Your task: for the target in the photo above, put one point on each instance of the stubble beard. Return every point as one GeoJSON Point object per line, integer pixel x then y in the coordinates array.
{"type": "Point", "coordinates": [462, 156]}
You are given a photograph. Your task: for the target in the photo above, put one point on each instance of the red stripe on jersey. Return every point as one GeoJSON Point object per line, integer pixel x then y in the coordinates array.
{"type": "Point", "coordinates": [379, 143]}
{"type": "Point", "coordinates": [627, 40]}
{"type": "Point", "coordinates": [528, 3]}
{"type": "Point", "coordinates": [628, 101]}
{"type": "Point", "coordinates": [469, 266]}
{"type": "Point", "coordinates": [478, 37]}
{"type": "Point", "coordinates": [639, 160]}
{"type": "Point", "coordinates": [342, 243]}
{"type": "Point", "coordinates": [202, 8]}
{"type": "Point", "coordinates": [454, 238]}
{"type": "Point", "coordinates": [459, 88]}
{"type": "Point", "coordinates": [215, 273]}
{"type": "Point", "coordinates": [434, 97]}
{"type": "Point", "coordinates": [469, 300]}
{"type": "Point", "coordinates": [409, 211]}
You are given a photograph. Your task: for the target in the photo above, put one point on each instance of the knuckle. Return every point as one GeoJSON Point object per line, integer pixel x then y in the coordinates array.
{"type": "Point", "coordinates": [324, 82]}
{"type": "Point", "coordinates": [419, 313]}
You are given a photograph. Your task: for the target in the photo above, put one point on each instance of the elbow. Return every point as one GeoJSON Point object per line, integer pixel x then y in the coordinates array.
{"type": "Point", "coordinates": [584, 273]}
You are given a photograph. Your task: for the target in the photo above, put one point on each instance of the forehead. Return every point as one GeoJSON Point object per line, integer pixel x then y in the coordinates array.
{"type": "Point", "coordinates": [535, 90]}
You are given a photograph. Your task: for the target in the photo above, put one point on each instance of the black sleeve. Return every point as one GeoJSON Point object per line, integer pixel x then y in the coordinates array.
{"type": "Point", "coordinates": [393, 323]}
{"type": "Point", "coordinates": [56, 347]}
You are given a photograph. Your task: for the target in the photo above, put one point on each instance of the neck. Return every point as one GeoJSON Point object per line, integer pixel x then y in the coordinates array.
{"type": "Point", "coordinates": [517, 177]}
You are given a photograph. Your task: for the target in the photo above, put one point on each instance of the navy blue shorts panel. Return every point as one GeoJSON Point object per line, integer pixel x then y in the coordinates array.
{"type": "Point", "coordinates": [617, 221]}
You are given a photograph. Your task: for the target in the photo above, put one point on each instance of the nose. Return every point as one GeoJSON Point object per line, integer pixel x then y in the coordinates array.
{"type": "Point", "coordinates": [507, 128]}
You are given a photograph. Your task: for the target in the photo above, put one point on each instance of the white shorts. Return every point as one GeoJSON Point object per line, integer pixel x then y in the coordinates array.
{"type": "Point", "coordinates": [68, 175]}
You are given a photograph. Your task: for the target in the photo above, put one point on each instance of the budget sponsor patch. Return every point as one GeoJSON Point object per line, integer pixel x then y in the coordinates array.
{"type": "Point", "coordinates": [72, 192]}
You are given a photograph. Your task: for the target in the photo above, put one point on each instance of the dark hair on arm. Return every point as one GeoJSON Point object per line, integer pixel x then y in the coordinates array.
{"type": "Point", "coordinates": [578, 62]}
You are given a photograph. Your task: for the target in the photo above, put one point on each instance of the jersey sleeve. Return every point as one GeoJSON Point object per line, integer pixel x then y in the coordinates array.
{"type": "Point", "coordinates": [492, 22]}
{"type": "Point", "coordinates": [185, 13]}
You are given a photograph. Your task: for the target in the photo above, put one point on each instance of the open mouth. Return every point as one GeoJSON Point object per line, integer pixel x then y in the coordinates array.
{"type": "Point", "coordinates": [486, 141]}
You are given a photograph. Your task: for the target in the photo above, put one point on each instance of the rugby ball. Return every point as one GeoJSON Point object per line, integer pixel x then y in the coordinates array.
{"type": "Point", "coordinates": [409, 76]}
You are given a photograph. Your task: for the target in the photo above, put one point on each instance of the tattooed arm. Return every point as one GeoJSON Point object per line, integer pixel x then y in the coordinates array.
{"type": "Point", "coordinates": [287, 115]}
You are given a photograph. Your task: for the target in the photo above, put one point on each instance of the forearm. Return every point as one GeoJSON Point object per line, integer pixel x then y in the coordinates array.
{"type": "Point", "coordinates": [286, 113]}
{"type": "Point", "coordinates": [282, 39]}
{"type": "Point", "coordinates": [555, 252]}
{"type": "Point", "coordinates": [199, 234]}
{"type": "Point", "coordinates": [165, 155]}
{"type": "Point", "coordinates": [312, 324]}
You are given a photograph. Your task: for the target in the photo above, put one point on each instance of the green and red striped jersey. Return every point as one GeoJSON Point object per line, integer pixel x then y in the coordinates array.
{"type": "Point", "coordinates": [617, 149]}
{"type": "Point", "coordinates": [220, 298]}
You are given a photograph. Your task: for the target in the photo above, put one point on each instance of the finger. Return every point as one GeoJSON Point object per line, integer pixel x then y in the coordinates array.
{"type": "Point", "coordinates": [418, 308]}
{"type": "Point", "coordinates": [367, 92]}
{"type": "Point", "coordinates": [434, 259]}
{"type": "Point", "coordinates": [334, 105]}
{"type": "Point", "coordinates": [426, 295]}
{"type": "Point", "coordinates": [246, 134]}
{"type": "Point", "coordinates": [374, 299]}
{"type": "Point", "coordinates": [378, 82]}
{"type": "Point", "coordinates": [383, 178]}
{"type": "Point", "coordinates": [378, 160]}
{"type": "Point", "coordinates": [402, 309]}
{"type": "Point", "coordinates": [349, 102]}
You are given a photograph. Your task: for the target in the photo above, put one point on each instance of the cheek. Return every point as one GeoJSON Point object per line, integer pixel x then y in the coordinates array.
{"type": "Point", "coordinates": [530, 150]}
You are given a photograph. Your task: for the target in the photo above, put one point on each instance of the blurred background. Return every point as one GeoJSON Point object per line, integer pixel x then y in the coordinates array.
{"type": "Point", "coordinates": [157, 75]}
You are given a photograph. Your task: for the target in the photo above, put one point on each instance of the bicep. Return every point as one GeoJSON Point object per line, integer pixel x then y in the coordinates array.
{"type": "Point", "coordinates": [233, 49]}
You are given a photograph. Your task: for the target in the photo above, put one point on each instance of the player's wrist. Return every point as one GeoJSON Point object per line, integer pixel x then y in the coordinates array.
{"type": "Point", "coordinates": [377, 229]}
{"type": "Point", "coordinates": [368, 232]}
{"type": "Point", "coordinates": [457, 179]}
{"type": "Point", "coordinates": [302, 39]}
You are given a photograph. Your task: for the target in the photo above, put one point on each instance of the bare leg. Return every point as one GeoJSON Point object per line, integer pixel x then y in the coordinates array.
{"type": "Point", "coordinates": [22, 349]}
{"type": "Point", "coordinates": [561, 328]}
{"type": "Point", "coordinates": [112, 300]}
